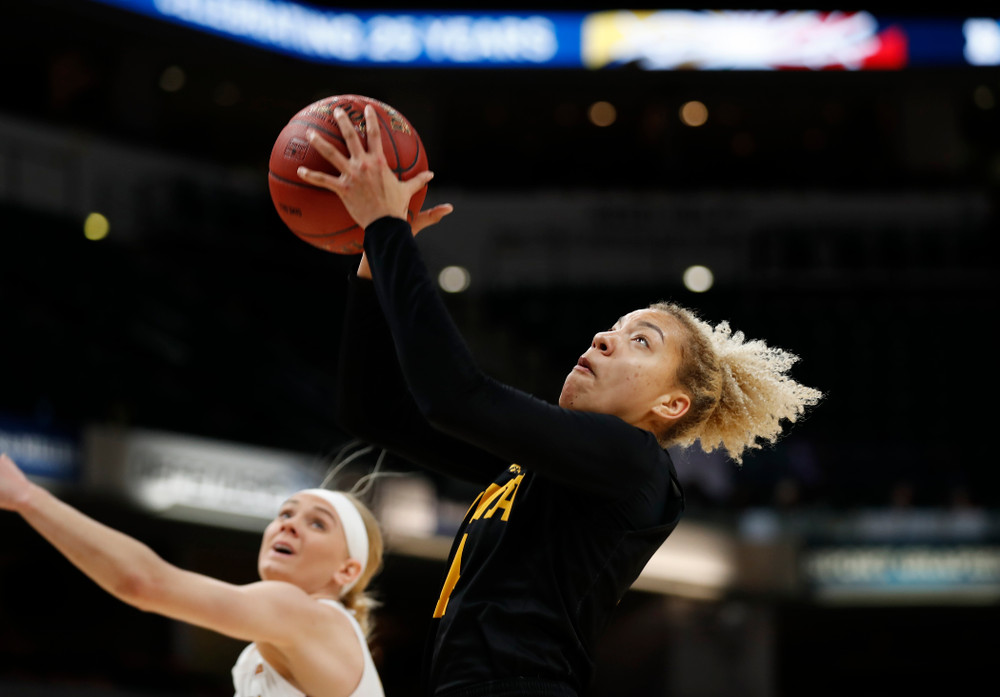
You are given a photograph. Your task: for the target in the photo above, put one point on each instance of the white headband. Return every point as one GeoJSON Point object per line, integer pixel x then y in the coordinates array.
{"type": "Point", "coordinates": [354, 528]}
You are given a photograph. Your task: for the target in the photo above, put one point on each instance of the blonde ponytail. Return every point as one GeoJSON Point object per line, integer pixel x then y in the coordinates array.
{"type": "Point", "coordinates": [358, 599]}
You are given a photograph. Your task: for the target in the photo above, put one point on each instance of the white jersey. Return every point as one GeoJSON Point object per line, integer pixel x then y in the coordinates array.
{"type": "Point", "coordinates": [253, 677]}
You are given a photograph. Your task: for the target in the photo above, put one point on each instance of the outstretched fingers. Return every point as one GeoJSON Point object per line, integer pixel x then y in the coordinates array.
{"type": "Point", "coordinates": [349, 133]}
{"type": "Point", "coordinates": [430, 216]}
{"type": "Point", "coordinates": [366, 184]}
{"type": "Point", "coordinates": [373, 130]}
{"type": "Point", "coordinates": [357, 154]}
{"type": "Point", "coordinates": [417, 182]}
{"type": "Point", "coordinates": [330, 153]}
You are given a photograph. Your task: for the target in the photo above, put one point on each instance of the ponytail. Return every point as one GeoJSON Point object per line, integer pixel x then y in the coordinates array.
{"type": "Point", "coordinates": [358, 599]}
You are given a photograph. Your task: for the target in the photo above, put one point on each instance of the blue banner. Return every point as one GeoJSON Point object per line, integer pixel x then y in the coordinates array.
{"type": "Point", "coordinates": [418, 39]}
{"type": "Point", "coordinates": [646, 39]}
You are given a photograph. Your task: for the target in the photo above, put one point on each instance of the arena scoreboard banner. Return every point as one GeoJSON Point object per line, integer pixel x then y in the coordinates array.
{"type": "Point", "coordinates": [646, 39]}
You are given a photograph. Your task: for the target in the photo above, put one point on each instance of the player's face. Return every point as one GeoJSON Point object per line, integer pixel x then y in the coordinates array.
{"type": "Point", "coordinates": [304, 544]}
{"type": "Point", "coordinates": [627, 370]}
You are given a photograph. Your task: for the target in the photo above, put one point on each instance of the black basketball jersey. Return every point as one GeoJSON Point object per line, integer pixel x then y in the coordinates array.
{"type": "Point", "coordinates": [573, 504]}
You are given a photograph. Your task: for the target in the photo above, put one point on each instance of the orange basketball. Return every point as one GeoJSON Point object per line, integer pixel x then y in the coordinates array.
{"type": "Point", "coordinates": [317, 215]}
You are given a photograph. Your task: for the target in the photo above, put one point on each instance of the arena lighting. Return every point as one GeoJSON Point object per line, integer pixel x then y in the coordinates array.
{"type": "Point", "coordinates": [693, 114]}
{"type": "Point", "coordinates": [698, 278]}
{"type": "Point", "coordinates": [454, 279]}
{"type": "Point", "coordinates": [602, 114]}
{"type": "Point", "coordinates": [96, 227]}
{"type": "Point", "coordinates": [666, 39]}
{"type": "Point", "coordinates": [172, 79]}
{"type": "Point", "coordinates": [984, 98]}
{"type": "Point", "coordinates": [982, 41]}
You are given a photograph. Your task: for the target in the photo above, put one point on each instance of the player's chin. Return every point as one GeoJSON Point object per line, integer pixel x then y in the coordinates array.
{"type": "Point", "coordinates": [271, 570]}
{"type": "Point", "coordinates": [569, 396]}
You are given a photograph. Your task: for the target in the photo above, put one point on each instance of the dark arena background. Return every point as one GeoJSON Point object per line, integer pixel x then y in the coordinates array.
{"type": "Point", "coordinates": [824, 180]}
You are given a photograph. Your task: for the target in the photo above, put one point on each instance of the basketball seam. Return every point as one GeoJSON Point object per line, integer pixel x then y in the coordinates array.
{"type": "Point", "coordinates": [397, 170]}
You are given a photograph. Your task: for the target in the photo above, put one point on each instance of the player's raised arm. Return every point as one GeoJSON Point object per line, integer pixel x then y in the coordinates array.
{"type": "Point", "coordinates": [317, 548]}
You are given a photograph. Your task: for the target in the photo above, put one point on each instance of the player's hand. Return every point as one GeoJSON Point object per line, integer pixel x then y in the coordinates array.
{"type": "Point", "coordinates": [368, 187]}
{"type": "Point", "coordinates": [423, 219]}
{"type": "Point", "coordinates": [14, 486]}
{"type": "Point", "coordinates": [431, 216]}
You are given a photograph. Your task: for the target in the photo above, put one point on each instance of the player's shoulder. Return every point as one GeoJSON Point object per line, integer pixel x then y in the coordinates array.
{"type": "Point", "coordinates": [288, 597]}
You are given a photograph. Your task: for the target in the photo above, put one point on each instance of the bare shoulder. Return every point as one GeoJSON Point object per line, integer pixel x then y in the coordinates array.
{"type": "Point", "coordinates": [324, 654]}
{"type": "Point", "coordinates": [300, 608]}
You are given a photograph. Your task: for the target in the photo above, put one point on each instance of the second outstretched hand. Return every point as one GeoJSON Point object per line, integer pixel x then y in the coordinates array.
{"type": "Point", "coordinates": [15, 488]}
{"type": "Point", "coordinates": [423, 219]}
{"type": "Point", "coordinates": [366, 184]}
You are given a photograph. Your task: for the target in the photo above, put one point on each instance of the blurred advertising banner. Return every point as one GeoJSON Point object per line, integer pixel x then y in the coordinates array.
{"type": "Point", "coordinates": [940, 574]}
{"type": "Point", "coordinates": [654, 39]}
{"type": "Point", "coordinates": [417, 38]}
{"type": "Point", "coordinates": [892, 555]}
{"type": "Point", "coordinates": [734, 40]}
{"type": "Point", "coordinates": [196, 479]}
{"type": "Point", "coordinates": [43, 452]}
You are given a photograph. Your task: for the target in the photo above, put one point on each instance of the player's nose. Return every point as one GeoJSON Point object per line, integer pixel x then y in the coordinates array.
{"type": "Point", "coordinates": [603, 342]}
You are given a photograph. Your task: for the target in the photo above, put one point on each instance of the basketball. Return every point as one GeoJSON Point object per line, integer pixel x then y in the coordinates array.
{"type": "Point", "coordinates": [317, 215]}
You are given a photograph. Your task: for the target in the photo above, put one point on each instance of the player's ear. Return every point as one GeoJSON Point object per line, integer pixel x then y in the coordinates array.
{"type": "Point", "coordinates": [671, 406]}
{"type": "Point", "coordinates": [348, 571]}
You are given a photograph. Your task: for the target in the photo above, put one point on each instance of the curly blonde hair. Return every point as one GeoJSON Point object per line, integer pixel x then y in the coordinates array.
{"type": "Point", "coordinates": [740, 390]}
{"type": "Point", "coordinates": [358, 599]}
